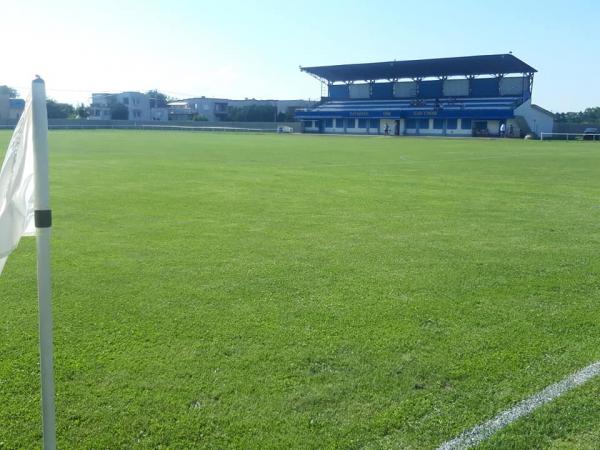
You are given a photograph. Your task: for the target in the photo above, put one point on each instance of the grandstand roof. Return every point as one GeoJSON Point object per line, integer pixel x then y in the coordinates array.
{"type": "Point", "coordinates": [423, 68]}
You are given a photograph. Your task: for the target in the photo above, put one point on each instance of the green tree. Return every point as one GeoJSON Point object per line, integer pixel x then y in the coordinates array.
{"type": "Point", "coordinates": [251, 113]}
{"type": "Point", "coordinates": [589, 115]}
{"type": "Point", "coordinates": [5, 90]}
{"type": "Point", "coordinates": [158, 99]}
{"type": "Point", "coordinates": [58, 110]}
{"type": "Point", "coordinates": [82, 111]}
{"type": "Point", "coordinates": [118, 111]}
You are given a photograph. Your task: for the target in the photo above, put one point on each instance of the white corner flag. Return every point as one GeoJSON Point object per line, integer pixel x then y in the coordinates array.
{"type": "Point", "coordinates": [25, 210]}
{"type": "Point", "coordinates": [17, 187]}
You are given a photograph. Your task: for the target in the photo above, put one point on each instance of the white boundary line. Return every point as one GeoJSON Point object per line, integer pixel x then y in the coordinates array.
{"type": "Point", "coordinates": [485, 430]}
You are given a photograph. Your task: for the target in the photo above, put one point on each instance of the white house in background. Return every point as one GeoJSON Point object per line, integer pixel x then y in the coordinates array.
{"type": "Point", "coordinates": [100, 107]}
{"type": "Point", "coordinates": [137, 103]}
{"type": "Point", "coordinates": [11, 108]}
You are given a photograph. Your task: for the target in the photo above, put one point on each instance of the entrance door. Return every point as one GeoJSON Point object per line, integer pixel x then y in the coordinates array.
{"type": "Point", "coordinates": [480, 128]}
{"type": "Point", "coordinates": [396, 128]}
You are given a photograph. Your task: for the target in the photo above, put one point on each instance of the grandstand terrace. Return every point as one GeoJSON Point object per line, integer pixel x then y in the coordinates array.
{"type": "Point", "coordinates": [464, 96]}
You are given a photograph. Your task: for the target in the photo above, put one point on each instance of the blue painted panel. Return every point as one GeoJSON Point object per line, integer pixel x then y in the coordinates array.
{"type": "Point", "coordinates": [339, 92]}
{"type": "Point", "coordinates": [474, 114]}
{"type": "Point", "coordinates": [374, 123]}
{"type": "Point", "coordinates": [382, 91]}
{"type": "Point", "coordinates": [484, 87]}
{"type": "Point", "coordinates": [431, 89]}
{"type": "Point", "coordinates": [16, 103]}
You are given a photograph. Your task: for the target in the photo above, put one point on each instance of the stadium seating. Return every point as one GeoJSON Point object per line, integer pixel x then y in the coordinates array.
{"type": "Point", "coordinates": [444, 103]}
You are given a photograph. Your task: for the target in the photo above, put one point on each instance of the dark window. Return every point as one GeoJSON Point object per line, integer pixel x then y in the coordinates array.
{"type": "Point", "coordinates": [374, 123]}
{"type": "Point", "coordinates": [351, 123]}
{"type": "Point", "coordinates": [423, 124]}
{"type": "Point", "coordinates": [465, 124]}
{"type": "Point", "coordinates": [438, 124]}
{"type": "Point", "coordinates": [328, 123]}
{"type": "Point", "coordinates": [411, 123]}
{"type": "Point", "coordinates": [362, 123]}
{"type": "Point", "coordinates": [339, 123]}
{"type": "Point", "coordinates": [308, 124]}
{"type": "Point", "coordinates": [451, 124]}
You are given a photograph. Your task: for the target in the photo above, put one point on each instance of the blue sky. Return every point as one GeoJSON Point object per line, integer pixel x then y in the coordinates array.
{"type": "Point", "coordinates": [240, 49]}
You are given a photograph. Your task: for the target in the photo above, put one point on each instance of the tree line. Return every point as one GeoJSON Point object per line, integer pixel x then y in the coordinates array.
{"type": "Point", "coordinates": [588, 115]}
{"type": "Point", "coordinates": [257, 113]}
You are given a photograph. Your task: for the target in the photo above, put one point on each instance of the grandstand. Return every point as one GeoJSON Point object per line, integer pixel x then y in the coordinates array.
{"type": "Point", "coordinates": [464, 96]}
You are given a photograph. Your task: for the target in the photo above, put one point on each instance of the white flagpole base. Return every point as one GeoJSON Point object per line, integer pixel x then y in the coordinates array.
{"type": "Point", "coordinates": [46, 350]}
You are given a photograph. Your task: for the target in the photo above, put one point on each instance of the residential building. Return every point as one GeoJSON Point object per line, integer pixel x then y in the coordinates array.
{"type": "Point", "coordinates": [11, 108]}
{"type": "Point", "coordinates": [137, 103]}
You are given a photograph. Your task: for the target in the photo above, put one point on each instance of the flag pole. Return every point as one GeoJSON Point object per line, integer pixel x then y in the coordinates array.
{"type": "Point", "coordinates": [43, 224]}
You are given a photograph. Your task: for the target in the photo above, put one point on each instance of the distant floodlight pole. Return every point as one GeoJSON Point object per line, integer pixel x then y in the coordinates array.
{"type": "Point", "coordinates": [43, 224]}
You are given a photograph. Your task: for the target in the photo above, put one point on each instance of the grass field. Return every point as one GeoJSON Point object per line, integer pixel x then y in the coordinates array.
{"type": "Point", "coordinates": [269, 291]}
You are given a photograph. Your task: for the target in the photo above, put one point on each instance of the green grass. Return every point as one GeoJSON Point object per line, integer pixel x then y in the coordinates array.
{"type": "Point", "coordinates": [268, 291]}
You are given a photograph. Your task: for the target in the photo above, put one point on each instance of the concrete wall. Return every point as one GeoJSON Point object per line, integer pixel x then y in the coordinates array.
{"type": "Point", "coordinates": [537, 119]}
{"type": "Point", "coordinates": [125, 124]}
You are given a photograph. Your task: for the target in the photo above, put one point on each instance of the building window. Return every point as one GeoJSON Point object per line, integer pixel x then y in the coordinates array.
{"type": "Point", "coordinates": [465, 124]}
{"type": "Point", "coordinates": [328, 123]}
{"type": "Point", "coordinates": [438, 124]}
{"type": "Point", "coordinates": [451, 124]}
{"type": "Point", "coordinates": [423, 124]}
{"type": "Point", "coordinates": [411, 123]}
{"type": "Point", "coordinates": [351, 123]}
{"type": "Point", "coordinates": [126, 101]}
{"type": "Point", "coordinates": [374, 123]}
{"type": "Point", "coordinates": [308, 124]}
{"type": "Point", "coordinates": [362, 123]}
{"type": "Point", "coordinates": [339, 123]}
{"type": "Point", "coordinates": [137, 113]}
